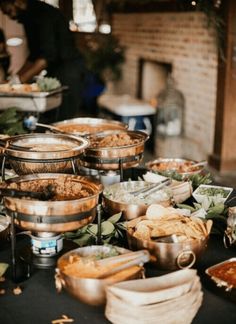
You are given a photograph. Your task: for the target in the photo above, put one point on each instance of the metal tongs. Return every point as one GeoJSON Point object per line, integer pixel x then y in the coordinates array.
{"type": "Point", "coordinates": [123, 261]}
{"type": "Point", "coordinates": [47, 194]}
{"type": "Point", "coordinates": [152, 188]}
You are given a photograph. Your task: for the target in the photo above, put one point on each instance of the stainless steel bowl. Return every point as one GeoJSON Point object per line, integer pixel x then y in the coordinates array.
{"type": "Point", "coordinates": [129, 210]}
{"type": "Point", "coordinates": [24, 157]}
{"type": "Point", "coordinates": [53, 216]}
{"type": "Point", "coordinates": [112, 157]}
{"type": "Point", "coordinates": [171, 256]}
{"type": "Point", "coordinates": [174, 165]}
{"type": "Point", "coordinates": [89, 291]}
{"type": "Point", "coordinates": [85, 126]}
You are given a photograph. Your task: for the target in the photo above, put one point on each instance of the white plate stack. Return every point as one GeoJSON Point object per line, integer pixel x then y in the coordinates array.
{"type": "Point", "coordinates": [172, 298]}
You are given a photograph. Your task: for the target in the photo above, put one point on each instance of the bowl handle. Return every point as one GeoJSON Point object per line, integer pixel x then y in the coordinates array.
{"type": "Point", "coordinates": [184, 253]}
{"type": "Point", "coordinates": [59, 282]}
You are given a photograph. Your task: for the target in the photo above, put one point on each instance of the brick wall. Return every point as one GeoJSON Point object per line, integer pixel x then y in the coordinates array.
{"type": "Point", "coordinates": [183, 40]}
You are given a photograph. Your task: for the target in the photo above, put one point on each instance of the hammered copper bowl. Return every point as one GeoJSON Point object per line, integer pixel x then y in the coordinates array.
{"type": "Point", "coordinates": [43, 153]}
{"type": "Point", "coordinates": [129, 210]}
{"type": "Point", "coordinates": [170, 256]}
{"type": "Point", "coordinates": [169, 165]}
{"type": "Point", "coordinates": [56, 215]}
{"type": "Point", "coordinates": [89, 291]}
{"type": "Point", "coordinates": [84, 126]}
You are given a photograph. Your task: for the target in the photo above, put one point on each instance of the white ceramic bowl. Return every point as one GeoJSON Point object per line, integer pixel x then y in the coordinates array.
{"type": "Point", "coordinates": [213, 196]}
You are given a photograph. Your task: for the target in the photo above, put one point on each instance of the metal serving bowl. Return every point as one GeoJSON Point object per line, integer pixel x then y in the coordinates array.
{"type": "Point", "coordinates": [174, 165]}
{"type": "Point", "coordinates": [112, 157]}
{"type": "Point", "coordinates": [25, 157]}
{"type": "Point", "coordinates": [57, 215]}
{"type": "Point", "coordinates": [90, 291]}
{"type": "Point", "coordinates": [170, 256]}
{"type": "Point", "coordinates": [129, 210]}
{"type": "Point", "coordinates": [85, 126]}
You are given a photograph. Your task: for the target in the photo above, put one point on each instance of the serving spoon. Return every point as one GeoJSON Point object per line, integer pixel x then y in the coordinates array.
{"type": "Point", "coordinates": [51, 128]}
{"type": "Point", "coordinates": [124, 261]}
{"type": "Point", "coordinates": [151, 188]}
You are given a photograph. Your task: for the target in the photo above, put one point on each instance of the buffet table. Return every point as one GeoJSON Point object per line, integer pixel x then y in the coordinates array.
{"type": "Point", "coordinates": [40, 303]}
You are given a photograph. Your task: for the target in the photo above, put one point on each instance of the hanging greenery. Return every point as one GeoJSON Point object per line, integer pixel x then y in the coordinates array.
{"type": "Point", "coordinates": [215, 20]}
{"type": "Point", "coordinates": [104, 56]}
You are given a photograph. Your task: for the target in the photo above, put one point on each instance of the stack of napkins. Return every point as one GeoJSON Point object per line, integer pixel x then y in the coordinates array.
{"type": "Point", "coordinates": [171, 298]}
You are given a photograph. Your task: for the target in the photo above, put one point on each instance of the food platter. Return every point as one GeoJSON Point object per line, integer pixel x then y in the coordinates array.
{"type": "Point", "coordinates": [183, 167]}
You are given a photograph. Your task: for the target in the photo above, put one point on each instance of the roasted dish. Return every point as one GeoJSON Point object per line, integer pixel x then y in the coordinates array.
{"type": "Point", "coordinates": [64, 188]}
{"type": "Point", "coordinates": [178, 165]}
{"type": "Point", "coordinates": [87, 128]}
{"type": "Point", "coordinates": [114, 140]}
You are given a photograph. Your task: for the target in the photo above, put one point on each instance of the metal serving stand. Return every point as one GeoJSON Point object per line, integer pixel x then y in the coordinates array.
{"type": "Point", "coordinates": [45, 221]}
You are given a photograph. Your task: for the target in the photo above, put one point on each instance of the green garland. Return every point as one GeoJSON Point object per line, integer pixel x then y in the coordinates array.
{"type": "Point", "coordinates": [104, 56]}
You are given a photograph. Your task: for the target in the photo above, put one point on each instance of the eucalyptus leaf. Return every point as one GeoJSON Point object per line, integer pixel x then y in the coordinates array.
{"type": "Point", "coordinates": [185, 206]}
{"type": "Point", "coordinates": [107, 240]}
{"type": "Point", "coordinates": [3, 268]}
{"type": "Point", "coordinates": [70, 235]}
{"type": "Point", "coordinates": [93, 229]}
{"type": "Point", "coordinates": [119, 233]}
{"type": "Point", "coordinates": [197, 206]}
{"type": "Point", "coordinates": [82, 230]}
{"type": "Point", "coordinates": [115, 218]}
{"type": "Point", "coordinates": [83, 239]}
{"type": "Point", "coordinates": [217, 209]}
{"type": "Point", "coordinates": [107, 228]}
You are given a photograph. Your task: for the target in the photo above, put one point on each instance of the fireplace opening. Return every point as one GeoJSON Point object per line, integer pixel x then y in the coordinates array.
{"type": "Point", "coordinates": [152, 79]}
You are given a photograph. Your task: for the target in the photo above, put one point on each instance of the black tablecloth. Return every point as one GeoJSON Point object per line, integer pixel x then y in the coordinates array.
{"type": "Point", "coordinates": [39, 302]}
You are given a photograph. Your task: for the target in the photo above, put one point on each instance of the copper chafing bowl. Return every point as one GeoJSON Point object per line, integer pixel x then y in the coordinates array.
{"type": "Point", "coordinates": [47, 153]}
{"type": "Point", "coordinates": [111, 157]}
{"type": "Point", "coordinates": [170, 256]}
{"type": "Point", "coordinates": [84, 126]}
{"type": "Point", "coordinates": [59, 215]}
{"type": "Point", "coordinates": [130, 209]}
{"type": "Point", "coordinates": [88, 290]}
{"type": "Point", "coordinates": [184, 167]}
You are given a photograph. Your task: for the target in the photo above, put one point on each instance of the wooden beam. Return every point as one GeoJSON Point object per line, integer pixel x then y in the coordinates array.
{"type": "Point", "coordinates": [223, 158]}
